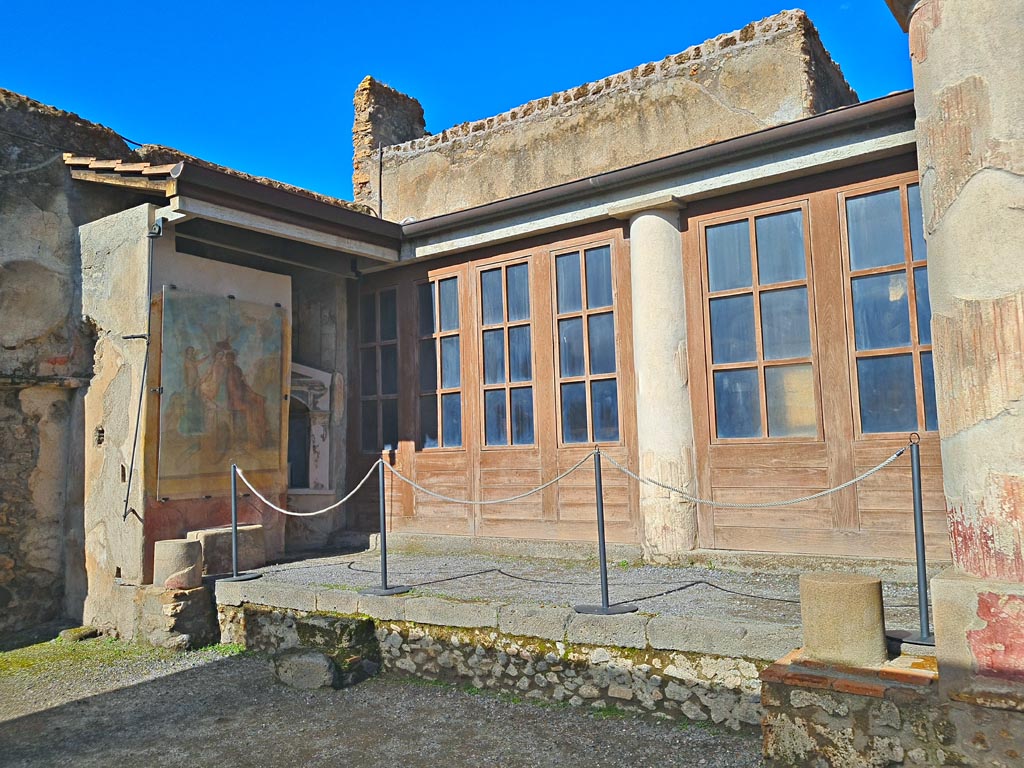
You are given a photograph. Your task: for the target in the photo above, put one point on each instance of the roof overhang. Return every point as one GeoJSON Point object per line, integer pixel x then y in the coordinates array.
{"type": "Point", "coordinates": [197, 193]}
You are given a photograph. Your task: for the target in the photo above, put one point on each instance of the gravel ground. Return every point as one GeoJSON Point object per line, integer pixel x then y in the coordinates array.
{"type": "Point", "coordinates": [761, 595]}
{"type": "Point", "coordinates": [102, 703]}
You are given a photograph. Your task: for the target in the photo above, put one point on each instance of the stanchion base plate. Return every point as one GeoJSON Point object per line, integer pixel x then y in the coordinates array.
{"type": "Point", "coordinates": [910, 638]}
{"type": "Point", "coordinates": [243, 577]}
{"type": "Point", "coordinates": [611, 610]}
{"type": "Point", "coordinates": [384, 592]}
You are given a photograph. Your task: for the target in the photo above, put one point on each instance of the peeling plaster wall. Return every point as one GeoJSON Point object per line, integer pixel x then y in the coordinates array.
{"type": "Point", "coordinates": [45, 355]}
{"type": "Point", "coordinates": [770, 72]}
{"type": "Point", "coordinates": [970, 104]}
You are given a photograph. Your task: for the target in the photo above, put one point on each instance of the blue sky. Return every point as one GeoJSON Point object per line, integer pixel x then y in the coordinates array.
{"type": "Point", "coordinates": [267, 87]}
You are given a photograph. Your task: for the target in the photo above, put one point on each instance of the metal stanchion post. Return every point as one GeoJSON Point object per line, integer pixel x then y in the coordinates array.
{"type": "Point", "coordinates": [383, 589]}
{"type": "Point", "coordinates": [604, 609]}
{"type": "Point", "coordinates": [925, 637]}
{"type": "Point", "coordinates": [235, 576]}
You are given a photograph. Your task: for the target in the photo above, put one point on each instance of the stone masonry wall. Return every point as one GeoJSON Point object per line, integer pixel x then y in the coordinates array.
{"type": "Point", "coordinates": [810, 727]}
{"type": "Point", "coordinates": [670, 685]}
{"type": "Point", "coordinates": [45, 355]}
{"type": "Point", "coordinates": [770, 72]}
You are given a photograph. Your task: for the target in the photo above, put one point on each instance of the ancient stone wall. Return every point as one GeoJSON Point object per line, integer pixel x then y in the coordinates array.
{"type": "Point", "coordinates": [673, 685]}
{"type": "Point", "coordinates": [45, 355]}
{"type": "Point", "coordinates": [770, 72]}
{"type": "Point", "coordinates": [892, 727]}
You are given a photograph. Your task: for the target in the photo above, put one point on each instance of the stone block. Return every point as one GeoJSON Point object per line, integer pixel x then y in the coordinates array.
{"type": "Point", "coordinates": [700, 634]}
{"type": "Point", "coordinates": [544, 622]}
{"type": "Point", "coordinates": [842, 618]}
{"type": "Point", "coordinates": [276, 594]}
{"type": "Point", "coordinates": [338, 601]}
{"type": "Point", "coordinates": [383, 608]}
{"type": "Point", "coordinates": [447, 613]}
{"type": "Point", "coordinates": [627, 630]}
{"type": "Point", "coordinates": [304, 668]}
{"type": "Point", "coordinates": [216, 544]}
{"type": "Point", "coordinates": [178, 564]}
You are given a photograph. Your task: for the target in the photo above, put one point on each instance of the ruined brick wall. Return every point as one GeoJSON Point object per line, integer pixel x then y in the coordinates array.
{"type": "Point", "coordinates": [770, 72]}
{"type": "Point", "coordinates": [383, 117]}
{"type": "Point", "coordinates": [45, 355]}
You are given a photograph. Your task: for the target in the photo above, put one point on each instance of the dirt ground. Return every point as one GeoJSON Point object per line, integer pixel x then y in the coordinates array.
{"type": "Point", "coordinates": [101, 702]}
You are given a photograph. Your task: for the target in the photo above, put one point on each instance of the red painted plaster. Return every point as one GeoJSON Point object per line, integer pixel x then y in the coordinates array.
{"type": "Point", "coordinates": [999, 647]}
{"type": "Point", "coordinates": [975, 545]}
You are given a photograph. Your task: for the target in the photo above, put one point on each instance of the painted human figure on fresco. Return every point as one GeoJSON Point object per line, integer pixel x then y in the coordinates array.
{"type": "Point", "coordinates": [224, 385]}
{"type": "Point", "coordinates": [192, 421]}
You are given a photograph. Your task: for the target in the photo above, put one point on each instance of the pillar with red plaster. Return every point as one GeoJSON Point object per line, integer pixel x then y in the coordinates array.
{"type": "Point", "coordinates": [968, 62]}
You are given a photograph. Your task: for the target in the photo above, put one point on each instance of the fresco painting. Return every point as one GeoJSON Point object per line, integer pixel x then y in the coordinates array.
{"type": "Point", "coordinates": [222, 378]}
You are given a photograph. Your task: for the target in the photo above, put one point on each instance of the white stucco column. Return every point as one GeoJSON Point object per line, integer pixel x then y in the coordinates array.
{"type": "Point", "coordinates": [664, 420]}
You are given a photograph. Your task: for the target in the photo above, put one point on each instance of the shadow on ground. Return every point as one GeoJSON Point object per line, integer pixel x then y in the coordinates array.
{"type": "Point", "coordinates": [232, 712]}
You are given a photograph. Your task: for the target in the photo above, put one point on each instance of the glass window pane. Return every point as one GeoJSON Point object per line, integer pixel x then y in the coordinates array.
{"type": "Point", "coordinates": [729, 256]}
{"type": "Point", "coordinates": [599, 277]}
{"type": "Point", "coordinates": [495, 429]}
{"type": "Point", "coordinates": [780, 247]}
{"type": "Point", "coordinates": [917, 242]}
{"type": "Point", "coordinates": [567, 279]}
{"type": "Point", "coordinates": [931, 415]}
{"type": "Point", "coordinates": [601, 330]}
{"type": "Point", "coordinates": [732, 329]}
{"type": "Point", "coordinates": [388, 316]}
{"type": "Point", "coordinates": [389, 422]}
{"type": "Point", "coordinates": [604, 405]}
{"type": "Point", "coordinates": [881, 317]}
{"type": "Point", "coordinates": [785, 329]}
{"type": "Point", "coordinates": [574, 412]}
{"type": "Point", "coordinates": [428, 421]}
{"type": "Point", "coordinates": [389, 369]}
{"type": "Point", "coordinates": [367, 318]}
{"type": "Point", "coordinates": [875, 226]}
{"type": "Point", "coordinates": [924, 305]}
{"type": "Point", "coordinates": [520, 363]}
{"type": "Point", "coordinates": [570, 347]}
{"type": "Point", "coordinates": [522, 416]}
{"type": "Point", "coordinates": [449, 301]}
{"type": "Point", "coordinates": [451, 420]}
{"type": "Point", "coordinates": [789, 390]}
{"type": "Point", "coordinates": [428, 365]}
{"type": "Point", "coordinates": [368, 419]}
{"type": "Point", "coordinates": [518, 278]}
{"type": "Point", "coordinates": [737, 403]}
{"type": "Point", "coordinates": [451, 375]}
{"type": "Point", "coordinates": [494, 357]}
{"type": "Point", "coordinates": [888, 402]}
{"type": "Point", "coordinates": [491, 298]}
{"type": "Point", "coordinates": [368, 371]}
{"type": "Point", "coordinates": [428, 319]}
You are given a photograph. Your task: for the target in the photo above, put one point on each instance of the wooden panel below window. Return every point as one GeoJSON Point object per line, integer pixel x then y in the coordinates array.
{"type": "Point", "coordinates": [835, 542]}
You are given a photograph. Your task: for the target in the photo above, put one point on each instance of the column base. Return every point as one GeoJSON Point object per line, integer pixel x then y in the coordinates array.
{"type": "Point", "coordinates": [979, 630]}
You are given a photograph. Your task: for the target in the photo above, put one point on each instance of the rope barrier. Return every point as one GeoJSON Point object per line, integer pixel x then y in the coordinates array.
{"type": "Point", "coordinates": [442, 497]}
{"type": "Point", "coordinates": [761, 505]}
{"type": "Point", "coordinates": [335, 505]}
{"type": "Point", "coordinates": [625, 470]}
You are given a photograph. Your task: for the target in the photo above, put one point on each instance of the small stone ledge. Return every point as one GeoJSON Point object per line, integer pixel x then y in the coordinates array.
{"type": "Point", "coordinates": [692, 634]}
{"type": "Point", "coordinates": [795, 671]}
{"type": "Point", "coordinates": [628, 630]}
{"type": "Point", "coordinates": [447, 613]}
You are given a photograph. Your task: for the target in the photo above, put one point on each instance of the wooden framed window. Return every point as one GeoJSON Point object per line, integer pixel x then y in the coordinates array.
{"type": "Point", "coordinates": [506, 343]}
{"type": "Point", "coordinates": [888, 310]}
{"type": "Point", "coordinates": [588, 395]}
{"type": "Point", "coordinates": [759, 326]}
{"type": "Point", "coordinates": [440, 363]}
{"type": "Point", "coordinates": [378, 367]}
